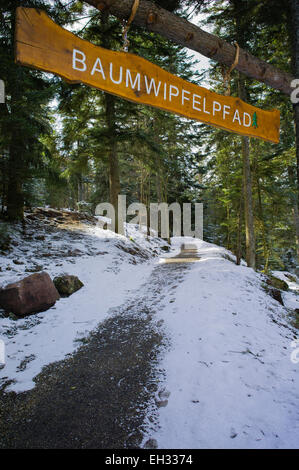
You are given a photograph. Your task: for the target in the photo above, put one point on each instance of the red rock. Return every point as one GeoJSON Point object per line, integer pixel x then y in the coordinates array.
{"type": "Point", "coordinates": [33, 294]}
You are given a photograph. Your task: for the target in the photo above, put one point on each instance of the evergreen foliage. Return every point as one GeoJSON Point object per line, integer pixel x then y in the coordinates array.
{"type": "Point", "coordinates": [73, 146]}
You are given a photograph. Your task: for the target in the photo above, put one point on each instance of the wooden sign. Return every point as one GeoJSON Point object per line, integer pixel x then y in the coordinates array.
{"type": "Point", "coordinates": [42, 44]}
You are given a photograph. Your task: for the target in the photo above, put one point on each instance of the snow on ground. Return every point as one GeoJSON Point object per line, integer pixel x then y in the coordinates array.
{"type": "Point", "coordinates": [105, 264]}
{"type": "Point", "coordinates": [231, 380]}
{"type": "Point", "coordinates": [289, 299]}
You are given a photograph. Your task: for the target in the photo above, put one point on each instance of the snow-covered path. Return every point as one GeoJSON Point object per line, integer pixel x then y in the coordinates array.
{"type": "Point", "coordinates": [112, 269]}
{"type": "Point", "coordinates": [209, 351]}
{"type": "Point", "coordinates": [231, 380]}
{"type": "Point", "coordinates": [98, 396]}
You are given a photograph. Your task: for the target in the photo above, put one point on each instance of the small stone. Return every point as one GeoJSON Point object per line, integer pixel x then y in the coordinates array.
{"type": "Point", "coordinates": [277, 283]}
{"type": "Point", "coordinates": [164, 394]}
{"type": "Point", "coordinates": [151, 444]}
{"type": "Point", "coordinates": [162, 403]}
{"type": "Point", "coordinates": [165, 248]}
{"type": "Point", "coordinates": [13, 317]}
{"type": "Point", "coordinates": [276, 294]}
{"type": "Point", "coordinates": [67, 284]}
{"type": "Point", "coordinates": [35, 269]}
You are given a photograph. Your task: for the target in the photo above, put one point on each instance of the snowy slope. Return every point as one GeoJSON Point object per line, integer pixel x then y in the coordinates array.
{"type": "Point", "coordinates": [109, 265]}
{"type": "Point", "coordinates": [228, 371]}
{"type": "Point", "coordinates": [227, 378]}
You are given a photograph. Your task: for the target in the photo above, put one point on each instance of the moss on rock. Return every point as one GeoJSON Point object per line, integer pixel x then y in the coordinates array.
{"type": "Point", "coordinates": [277, 283]}
{"type": "Point", "coordinates": [67, 284]}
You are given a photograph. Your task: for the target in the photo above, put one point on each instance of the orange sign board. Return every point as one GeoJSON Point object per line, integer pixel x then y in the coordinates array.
{"type": "Point", "coordinates": [42, 44]}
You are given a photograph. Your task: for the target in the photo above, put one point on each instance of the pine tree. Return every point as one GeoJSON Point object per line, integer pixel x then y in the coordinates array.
{"type": "Point", "coordinates": [129, 140]}
{"type": "Point", "coordinates": [24, 117]}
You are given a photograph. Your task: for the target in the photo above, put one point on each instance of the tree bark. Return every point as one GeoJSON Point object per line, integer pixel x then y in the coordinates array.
{"type": "Point", "coordinates": [109, 100]}
{"type": "Point", "coordinates": [114, 181]}
{"type": "Point", "coordinates": [261, 217]}
{"type": "Point", "coordinates": [249, 221]}
{"type": "Point", "coordinates": [247, 187]}
{"type": "Point", "coordinates": [181, 31]}
{"type": "Point", "coordinates": [296, 222]}
{"type": "Point", "coordinates": [292, 183]}
{"type": "Point", "coordinates": [247, 180]}
{"type": "Point", "coordinates": [239, 236]}
{"type": "Point", "coordinates": [295, 61]}
{"type": "Point", "coordinates": [16, 162]}
{"type": "Point", "coordinates": [15, 197]}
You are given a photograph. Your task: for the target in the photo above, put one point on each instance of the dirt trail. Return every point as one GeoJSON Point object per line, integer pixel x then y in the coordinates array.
{"type": "Point", "coordinates": [99, 396]}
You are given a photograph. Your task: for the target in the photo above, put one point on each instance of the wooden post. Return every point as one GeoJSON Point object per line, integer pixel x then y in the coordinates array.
{"type": "Point", "coordinates": [181, 31]}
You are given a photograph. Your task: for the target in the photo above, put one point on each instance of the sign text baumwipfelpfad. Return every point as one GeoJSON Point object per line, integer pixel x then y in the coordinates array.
{"type": "Point", "coordinates": [42, 44]}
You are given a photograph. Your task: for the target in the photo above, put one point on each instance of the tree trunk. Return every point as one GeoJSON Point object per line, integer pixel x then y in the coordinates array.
{"type": "Point", "coordinates": [266, 252]}
{"type": "Point", "coordinates": [247, 186]}
{"type": "Point", "coordinates": [16, 175]}
{"type": "Point", "coordinates": [181, 31]}
{"type": "Point", "coordinates": [249, 221]}
{"type": "Point", "coordinates": [114, 181]}
{"type": "Point", "coordinates": [296, 119]}
{"type": "Point", "coordinates": [15, 198]}
{"type": "Point", "coordinates": [239, 237]}
{"type": "Point", "coordinates": [294, 22]}
{"type": "Point", "coordinates": [296, 221]}
{"type": "Point", "coordinates": [292, 183]}
{"type": "Point", "coordinates": [247, 180]}
{"type": "Point", "coordinates": [109, 100]}
{"type": "Point", "coordinates": [16, 162]}
{"type": "Point", "coordinates": [228, 227]}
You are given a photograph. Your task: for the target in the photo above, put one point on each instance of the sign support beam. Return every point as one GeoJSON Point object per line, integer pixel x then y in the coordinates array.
{"type": "Point", "coordinates": [181, 31]}
{"type": "Point", "coordinates": [42, 44]}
